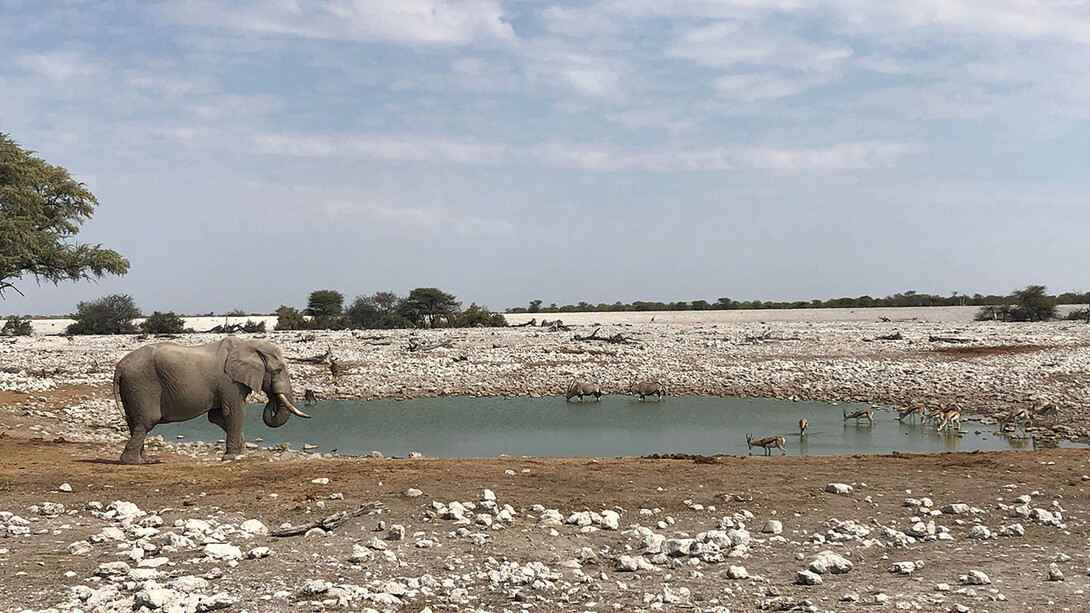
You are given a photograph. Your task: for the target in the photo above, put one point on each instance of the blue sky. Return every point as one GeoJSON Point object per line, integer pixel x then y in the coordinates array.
{"type": "Point", "coordinates": [247, 153]}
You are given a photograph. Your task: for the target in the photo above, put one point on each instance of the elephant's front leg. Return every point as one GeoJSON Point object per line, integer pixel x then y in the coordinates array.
{"type": "Point", "coordinates": [232, 426]}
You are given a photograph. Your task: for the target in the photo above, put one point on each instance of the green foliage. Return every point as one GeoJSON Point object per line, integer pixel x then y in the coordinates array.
{"type": "Point", "coordinates": [1028, 304]}
{"type": "Point", "coordinates": [235, 313]}
{"type": "Point", "coordinates": [164, 323]}
{"type": "Point", "coordinates": [41, 208]}
{"type": "Point", "coordinates": [325, 303]}
{"type": "Point", "coordinates": [252, 326]}
{"type": "Point", "coordinates": [535, 306]}
{"type": "Point", "coordinates": [376, 312]}
{"type": "Point", "coordinates": [289, 318]}
{"type": "Point", "coordinates": [112, 314]}
{"type": "Point", "coordinates": [17, 326]}
{"type": "Point", "coordinates": [428, 306]}
{"type": "Point", "coordinates": [479, 317]}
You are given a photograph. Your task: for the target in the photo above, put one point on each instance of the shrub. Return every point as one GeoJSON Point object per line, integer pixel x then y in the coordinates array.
{"type": "Point", "coordinates": [289, 318]}
{"type": "Point", "coordinates": [1028, 304]}
{"type": "Point", "coordinates": [163, 323]}
{"type": "Point", "coordinates": [475, 317]}
{"type": "Point", "coordinates": [112, 314]}
{"type": "Point", "coordinates": [17, 326]}
{"type": "Point", "coordinates": [1076, 315]}
{"type": "Point", "coordinates": [253, 326]}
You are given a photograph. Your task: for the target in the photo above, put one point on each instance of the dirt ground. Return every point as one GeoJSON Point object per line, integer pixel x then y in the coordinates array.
{"type": "Point", "coordinates": [694, 492]}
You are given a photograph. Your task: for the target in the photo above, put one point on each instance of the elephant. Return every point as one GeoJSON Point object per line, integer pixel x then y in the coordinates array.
{"type": "Point", "coordinates": [168, 382]}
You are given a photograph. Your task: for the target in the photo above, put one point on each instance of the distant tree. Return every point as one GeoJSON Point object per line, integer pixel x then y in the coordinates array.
{"type": "Point", "coordinates": [112, 314]}
{"type": "Point", "coordinates": [325, 303]}
{"type": "Point", "coordinates": [17, 326]}
{"type": "Point", "coordinates": [424, 306]}
{"type": "Point", "coordinates": [369, 312]}
{"type": "Point", "coordinates": [41, 208]}
{"type": "Point", "coordinates": [1033, 304]}
{"type": "Point", "coordinates": [535, 306]}
{"type": "Point", "coordinates": [386, 301]}
{"type": "Point", "coordinates": [1028, 304]}
{"type": "Point", "coordinates": [478, 317]}
{"type": "Point", "coordinates": [163, 323]}
{"type": "Point", "coordinates": [289, 318]}
{"type": "Point", "coordinates": [235, 313]}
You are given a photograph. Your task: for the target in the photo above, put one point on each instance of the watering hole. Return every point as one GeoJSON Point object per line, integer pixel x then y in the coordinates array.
{"type": "Point", "coordinates": [614, 426]}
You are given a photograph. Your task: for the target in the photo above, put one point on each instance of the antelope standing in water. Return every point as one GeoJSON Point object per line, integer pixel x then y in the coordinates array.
{"type": "Point", "coordinates": [1019, 414]}
{"type": "Point", "coordinates": [768, 443]}
{"type": "Point", "coordinates": [802, 426]}
{"type": "Point", "coordinates": [648, 388]}
{"type": "Point", "coordinates": [950, 416]}
{"type": "Point", "coordinates": [580, 389]}
{"type": "Point", "coordinates": [860, 414]}
{"type": "Point", "coordinates": [911, 412]}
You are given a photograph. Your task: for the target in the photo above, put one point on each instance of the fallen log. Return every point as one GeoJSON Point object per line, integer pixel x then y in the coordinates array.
{"type": "Point", "coordinates": [618, 338]}
{"type": "Point", "coordinates": [330, 522]}
{"type": "Point", "coordinates": [947, 339]}
{"type": "Point", "coordinates": [896, 336]}
{"type": "Point", "coordinates": [414, 345]}
{"type": "Point", "coordinates": [316, 359]}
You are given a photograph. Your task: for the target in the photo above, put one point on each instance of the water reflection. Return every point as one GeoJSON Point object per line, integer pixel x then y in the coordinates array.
{"type": "Point", "coordinates": [616, 426]}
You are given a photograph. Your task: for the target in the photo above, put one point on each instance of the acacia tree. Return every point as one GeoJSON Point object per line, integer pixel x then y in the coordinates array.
{"type": "Point", "coordinates": [425, 305]}
{"type": "Point", "coordinates": [112, 314]}
{"type": "Point", "coordinates": [41, 209]}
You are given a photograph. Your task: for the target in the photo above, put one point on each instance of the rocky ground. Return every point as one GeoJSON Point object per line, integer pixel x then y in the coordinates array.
{"type": "Point", "coordinates": [951, 532]}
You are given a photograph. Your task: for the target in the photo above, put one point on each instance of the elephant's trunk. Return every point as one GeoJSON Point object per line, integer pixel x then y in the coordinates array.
{"type": "Point", "coordinates": [278, 410]}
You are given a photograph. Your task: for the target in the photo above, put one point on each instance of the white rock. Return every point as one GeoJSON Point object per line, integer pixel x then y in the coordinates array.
{"type": "Point", "coordinates": [975, 577]}
{"type": "Point", "coordinates": [1055, 573]}
{"type": "Point", "coordinates": [805, 577]}
{"type": "Point", "coordinates": [412, 492]}
{"type": "Point", "coordinates": [258, 552]}
{"type": "Point", "coordinates": [737, 572]}
{"type": "Point", "coordinates": [903, 568]}
{"type": "Point", "coordinates": [65, 488]}
{"type": "Point", "coordinates": [156, 598]}
{"type": "Point", "coordinates": [828, 562]}
{"type": "Point", "coordinates": [839, 488]}
{"type": "Point", "coordinates": [772, 526]}
{"type": "Point", "coordinates": [488, 496]}
{"type": "Point", "coordinates": [980, 532]}
{"type": "Point", "coordinates": [611, 520]}
{"type": "Point", "coordinates": [222, 551]}
{"type": "Point", "coordinates": [254, 526]}
{"type": "Point", "coordinates": [320, 481]}
{"type": "Point", "coordinates": [956, 509]}
{"type": "Point", "coordinates": [396, 533]}
{"type": "Point", "coordinates": [189, 583]}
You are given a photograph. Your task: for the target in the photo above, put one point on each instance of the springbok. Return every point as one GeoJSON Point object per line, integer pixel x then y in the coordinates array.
{"type": "Point", "coordinates": [1019, 414]}
{"type": "Point", "coordinates": [309, 397]}
{"type": "Point", "coordinates": [860, 414]}
{"type": "Point", "coordinates": [582, 388]}
{"type": "Point", "coordinates": [911, 412]}
{"type": "Point", "coordinates": [1047, 410]}
{"type": "Point", "coordinates": [950, 416]}
{"type": "Point", "coordinates": [802, 426]}
{"type": "Point", "coordinates": [648, 388]}
{"type": "Point", "coordinates": [768, 443]}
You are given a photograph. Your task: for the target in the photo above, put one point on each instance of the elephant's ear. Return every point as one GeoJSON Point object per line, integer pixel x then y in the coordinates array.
{"type": "Point", "coordinates": [244, 364]}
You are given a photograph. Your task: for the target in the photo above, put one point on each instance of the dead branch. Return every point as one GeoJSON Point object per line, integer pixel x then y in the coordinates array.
{"type": "Point", "coordinates": [329, 522]}
{"type": "Point", "coordinates": [618, 338]}
{"type": "Point", "coordinates": [555, 326]}
{"type": "Point", "coordinates": [531, 323]}
{"type": "Point", "coordinates": [321, 358]}
{"type": "Point", "coordinates": [896, 336]}
{"type": "Point", "coordinates": [415, 346]}
{"type": "Point", "coordinates": [947, 339]}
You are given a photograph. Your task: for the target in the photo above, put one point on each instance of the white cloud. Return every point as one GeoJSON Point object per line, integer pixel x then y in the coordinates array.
{"type": "Point", "coordinates": [411, 22]}
{"type": "Point", "coordinates": [57, 65]}
{"type": "Point", "coordinates": [843, 156]}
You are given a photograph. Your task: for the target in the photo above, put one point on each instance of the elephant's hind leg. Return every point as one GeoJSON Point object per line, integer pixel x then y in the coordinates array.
{"type": "Point", "coordinates": [134, 449]}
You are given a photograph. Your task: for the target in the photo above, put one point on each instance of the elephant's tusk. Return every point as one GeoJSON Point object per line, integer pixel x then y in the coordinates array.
{"type": "Point", "coordinates": [284, 402]}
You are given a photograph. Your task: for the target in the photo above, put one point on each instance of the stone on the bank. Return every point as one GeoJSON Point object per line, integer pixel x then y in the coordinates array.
{"type": "Point", "coordinates": [396, 533]}
{"type": "Point", "coordinates": [254, 526]}
{"type": "Point", "coordinates": [903, 568]}
{"type": "Point", "coordinates": [258, 553]}
{"type": "Point", "coordinates": [957, 508]}
{"type": "Point", "coordinates": [80, 548]}
{"type": "Point", "coordinates": [155, 598]}
{"type": "Point", "coordinates": [976, 577]}
{"type": "Point", "coordinates": [839, 488]}
{"type": "Point", "coordinates": [805, 577]}
{"type": "Point", "coordinates": [611, 520]}
{"type": "Point", "coordinates": [550, 517]}
{"type": "Point", "coordinates": [772, 526]}
{"type": "Point", "coordinates": [222, 551]}
{"type": "Point", "coordinates": [314, 587]}
{"type": "Point", "coordinates": [412, 492]}
{"type": "Point", "coordinates": [828, 562]}
{"type": "Point", "coordinates": [215, 602]}
{"type": "Point", "coordinates": [1055, 573]}
{"type": "Point", "coordinates": [737, 572]}
{"type": "Point", "coordinates": [980, 532]}
{"type": "Point", "coordinates": [1012, 530]}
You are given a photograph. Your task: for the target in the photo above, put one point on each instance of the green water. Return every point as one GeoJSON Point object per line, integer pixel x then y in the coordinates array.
{"type": "Point", "coordinates": [615, 426]}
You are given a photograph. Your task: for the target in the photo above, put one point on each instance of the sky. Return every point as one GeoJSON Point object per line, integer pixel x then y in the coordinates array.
{"type": "Point", "coordinates": [247, 153]}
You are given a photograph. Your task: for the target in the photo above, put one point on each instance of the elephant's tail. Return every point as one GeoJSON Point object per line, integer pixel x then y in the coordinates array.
{"type": "Point", "coordinates": [117, 394]}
